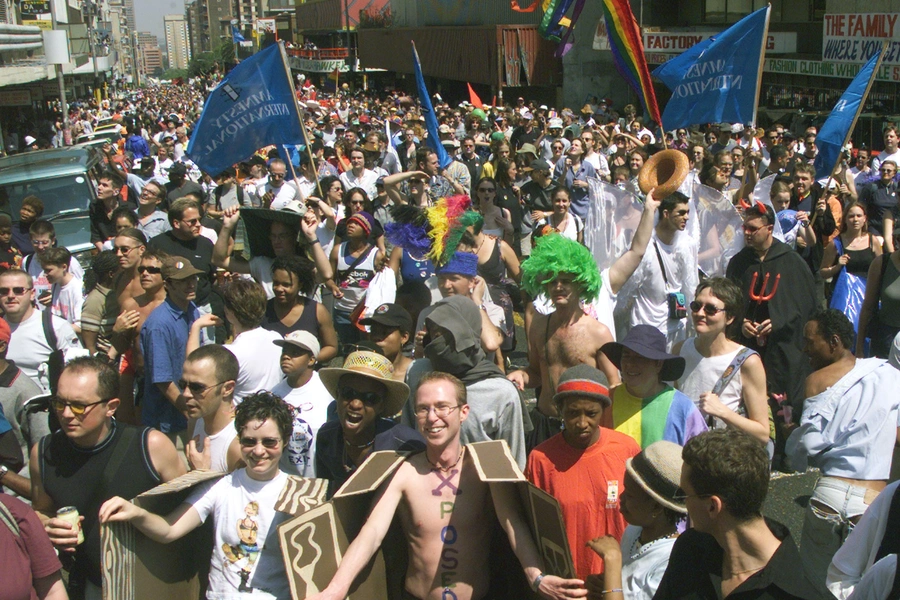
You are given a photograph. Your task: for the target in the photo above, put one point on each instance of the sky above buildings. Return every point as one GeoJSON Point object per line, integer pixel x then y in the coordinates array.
{"type": "Point", "coordinates": [148, 14]}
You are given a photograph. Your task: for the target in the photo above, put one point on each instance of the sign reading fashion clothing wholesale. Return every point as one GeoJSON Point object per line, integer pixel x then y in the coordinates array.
{"type": "Point", "coordinates": [856, 37]}
{"type": "Point", "coordinates": [827, 69]}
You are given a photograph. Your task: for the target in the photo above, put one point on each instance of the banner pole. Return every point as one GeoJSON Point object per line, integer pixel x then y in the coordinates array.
{"type": "Point", "coordinates": [762, 61]}
{"type": "Point", "coordinates": [312, 160]}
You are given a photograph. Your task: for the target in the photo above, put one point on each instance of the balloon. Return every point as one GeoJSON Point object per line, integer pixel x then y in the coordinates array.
{"type": "Point", "coordinates": [479, 113]}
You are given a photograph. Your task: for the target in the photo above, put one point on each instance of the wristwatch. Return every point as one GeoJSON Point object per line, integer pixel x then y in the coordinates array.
{"type": "Point", "coordinates": [3, 471]}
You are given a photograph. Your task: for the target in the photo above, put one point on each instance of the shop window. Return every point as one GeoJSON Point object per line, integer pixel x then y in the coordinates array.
{"type": "Point", "coordinates": [729, 11]}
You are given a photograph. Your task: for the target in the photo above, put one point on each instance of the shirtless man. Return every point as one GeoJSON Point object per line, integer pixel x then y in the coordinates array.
{"type": "Point", "coordinates": [126, 332]}
{"type": "Point", "coordinates": [566, 337]}
{"type": "Point", "coordinates": [444, 506]}
{"type": "Point", "coordinates": [129, 246]}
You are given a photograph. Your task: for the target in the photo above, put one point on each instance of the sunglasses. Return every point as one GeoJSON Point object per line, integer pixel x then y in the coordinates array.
{"type": "Point", "coordinates": [250, 442]}
{"type": "Point", "coordinates": [487, 190]}
{"type": "Point", "coordinates": [77, 408]}
{"type": "Point", "coordinates": [124, 249]}
{"type": "Point", "coordinates": [367, 398]}
{"type": "Point", "coordinates": [151, 270]}
{"type": "Point", "coordinates": [708, 309]}
{"type": "Point", "coordinates": [197, 389]}
{"type": "Point", "coordinates": [17, 291]}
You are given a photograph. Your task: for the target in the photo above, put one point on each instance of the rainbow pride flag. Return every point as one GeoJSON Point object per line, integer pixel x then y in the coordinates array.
{"type": "Point", "coordinates": [628, 53]}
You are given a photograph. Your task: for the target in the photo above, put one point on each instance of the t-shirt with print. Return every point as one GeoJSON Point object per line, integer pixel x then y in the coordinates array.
{"type": "Point", "coordinates": [310, 403]}
{"type": "Point", "coordinates": [29, 349]}
{"type": "Point", "coordinates": [67, 301]}
{"type": "Point", "coordinates": [246, 560]}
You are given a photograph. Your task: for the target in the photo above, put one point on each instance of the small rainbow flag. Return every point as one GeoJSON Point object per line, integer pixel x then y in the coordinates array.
{"type": "Point", "coordinates": [628, 52]}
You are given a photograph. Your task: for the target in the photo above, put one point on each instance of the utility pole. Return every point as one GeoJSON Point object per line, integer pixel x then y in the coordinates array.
{"type": "Point", "coordinates": [89, 17]}
{"type": "Point", "coordinates": [60, 79]}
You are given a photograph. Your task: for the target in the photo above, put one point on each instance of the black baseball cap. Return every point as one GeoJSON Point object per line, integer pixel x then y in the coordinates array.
{"type": "Point", "coordinates": [391, 315]}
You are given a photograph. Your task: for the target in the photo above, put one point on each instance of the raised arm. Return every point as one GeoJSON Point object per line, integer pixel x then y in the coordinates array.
{"type": "Point", "coordinates": [221, 256]}
{"type": "Point", "coordinates": [627, 264]}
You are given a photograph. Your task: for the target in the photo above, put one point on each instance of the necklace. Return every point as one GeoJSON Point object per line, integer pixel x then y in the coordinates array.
{"type": "Point", "coordinates": [445, 469]}
{"type": "Point", "coordinates": [638, 549]}
{"type": "Point", "coordinates": [736, 573]}
{"type": "Point", "coordinates": [360, 446]}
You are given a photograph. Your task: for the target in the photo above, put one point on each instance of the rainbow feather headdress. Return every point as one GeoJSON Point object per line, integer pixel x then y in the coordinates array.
{"type": "Point", "coordinates": [435, 231]}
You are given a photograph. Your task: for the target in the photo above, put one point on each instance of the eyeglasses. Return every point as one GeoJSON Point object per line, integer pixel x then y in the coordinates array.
{"type": "Point", "coordinates": [197, 389]}
{"type": "Point", "coordinates": [17, 291]}
{"type": "Point", "coordinates": [192, 222]}
{"type": "Point", "coordinates": [682, 497]}
{"type": "Point", "coordinates": [151, 270]}
{"type": "Point", "coordinates": [751, 230]}
{"type": "Point", "coordinates": [270, 443]}
{"type": "Point", "coordinates": [441, 412]}
{"type": "Point", "coordinates": [123, 250]}
{"type": "Point", "coordinates": [145, 193]}
{"type": "Point", "coordinates": [709, 309]}
{"type": "Point", "coordinates": [367, 398]}
{"type": "Point", "coordinates": [886, 170]}
{"type": "Point", "coordinates": [78, 409]}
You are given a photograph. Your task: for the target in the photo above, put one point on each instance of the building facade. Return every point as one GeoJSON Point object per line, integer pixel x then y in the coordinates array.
{"type": "Point", "coordinates": [178, 43]}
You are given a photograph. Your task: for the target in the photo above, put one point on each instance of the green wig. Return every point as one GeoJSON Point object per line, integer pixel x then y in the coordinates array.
{"type": "Point", "coordinates": [553, 254]}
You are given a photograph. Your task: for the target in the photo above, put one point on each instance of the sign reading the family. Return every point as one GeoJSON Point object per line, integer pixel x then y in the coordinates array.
{"type": "Point", "coordinates": [857, 37]}
{"type": "Point", "coordinates": [253, 107]}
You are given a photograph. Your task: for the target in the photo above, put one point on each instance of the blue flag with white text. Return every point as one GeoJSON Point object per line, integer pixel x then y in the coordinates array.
{"type": "Point", "coordinates": [718, 81]}
{"type": "Point", "coordinates": [253, 107]}
{"type": "Point", "coordinates": [434, 140]}
{"type": "Point", "coordinates": [236, 35]}
{"type": "Point", "coordinates": [830, 138]}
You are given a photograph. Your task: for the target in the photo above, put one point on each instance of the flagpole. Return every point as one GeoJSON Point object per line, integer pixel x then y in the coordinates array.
{"type": "Point", "coordinates": [312, 160]}
{"type": "Point", "coordinates": [859, 110]}
{"type": "Point", "coordinates": [762, 61]}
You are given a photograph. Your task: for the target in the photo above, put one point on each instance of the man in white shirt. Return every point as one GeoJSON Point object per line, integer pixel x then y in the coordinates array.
{"type": "Point", "coordinates": [207, 382]}
{"type": "Point", "coordinates": [358, 175]}
{"type": "Point", "coordinates": [29, 346]}
{"type": "Point", "coordinates": [848, 430]}
{"type": "Point", "coordinates": [663, 285]}
{"type": "Point", "coordinates": [891, 151]}
{"type": "Point", "coordinates": [303, 390]}
{"type": "Point", "coordinates": [277, 193]}
{"type": "Point", "coordinates": [601, 165]}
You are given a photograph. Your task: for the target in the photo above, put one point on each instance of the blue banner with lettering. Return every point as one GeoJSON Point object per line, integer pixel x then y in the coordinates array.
{"type": "Point", "coordinates": [433, 140]}
{"type": "Point", "coordinates": [834, 131]}
{"type": "Point", "coordinates": [253, 107]}
{"type": "Point", "coordinates": [716, 80]}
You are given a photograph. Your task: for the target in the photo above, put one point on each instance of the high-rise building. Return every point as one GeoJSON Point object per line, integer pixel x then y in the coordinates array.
{"type": "Point", "coordinates": [178, 43]}
{"type": "Point", "coordinates": [149, 54]}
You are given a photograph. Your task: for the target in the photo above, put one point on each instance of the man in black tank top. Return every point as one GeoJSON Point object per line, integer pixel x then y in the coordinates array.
{"type": "Point", "coordinates": [91, 459]}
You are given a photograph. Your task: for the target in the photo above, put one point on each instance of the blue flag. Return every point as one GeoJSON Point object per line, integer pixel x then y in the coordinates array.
{"type": "Point", "coordinates": [253, 107]}
{"type": "Point", "coordinates": [236, 35]}
{"type": "Point", "coordinates": [718, 81]}
{"type": "Point", "coordinates": [434, 140]}
{"type": "Point", "coordinates": [834, 132]}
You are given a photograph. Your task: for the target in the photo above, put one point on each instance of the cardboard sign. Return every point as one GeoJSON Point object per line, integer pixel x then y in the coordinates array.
{"type": "Point", "coordinates": [314, 543]}
{"type": "Point", "coordinates": [137, 568]}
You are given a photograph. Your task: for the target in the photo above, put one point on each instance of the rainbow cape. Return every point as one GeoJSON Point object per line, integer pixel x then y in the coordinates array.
{"type": "Point", "coordinates": [628, 53]}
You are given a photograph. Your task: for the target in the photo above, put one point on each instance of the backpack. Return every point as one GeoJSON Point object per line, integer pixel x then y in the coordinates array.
{"type": "Point", "coordinates": [56, 361]}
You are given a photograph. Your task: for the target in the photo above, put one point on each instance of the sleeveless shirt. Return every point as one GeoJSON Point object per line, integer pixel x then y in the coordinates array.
{"type": "Point", "coordinates": [307, 321]}
{"type": "Point", "coordinates": [72, 476]}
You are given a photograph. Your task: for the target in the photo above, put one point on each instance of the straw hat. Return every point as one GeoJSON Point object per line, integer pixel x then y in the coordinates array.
{"type": "Point", "coordinates": [657, 469]}
{"type": "Point", "coordinates": [664, 171]}
{"type": "Point", "coordinates": [372, 366]}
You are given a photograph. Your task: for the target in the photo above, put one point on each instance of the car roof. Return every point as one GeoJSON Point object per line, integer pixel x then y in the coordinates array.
{"type": "Point", "coordinates": [58, 162]}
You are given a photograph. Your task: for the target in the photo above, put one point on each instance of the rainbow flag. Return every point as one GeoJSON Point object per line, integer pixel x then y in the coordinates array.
{"type": "Point", "coordinates": [628, 53]}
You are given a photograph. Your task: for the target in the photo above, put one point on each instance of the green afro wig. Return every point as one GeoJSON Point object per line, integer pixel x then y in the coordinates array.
{"type": "Point", "coordinates": [553, 254]}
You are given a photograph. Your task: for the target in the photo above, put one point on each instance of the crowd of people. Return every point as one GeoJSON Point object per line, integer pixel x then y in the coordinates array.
{"type": "Point", "coordinates": [299, 311]}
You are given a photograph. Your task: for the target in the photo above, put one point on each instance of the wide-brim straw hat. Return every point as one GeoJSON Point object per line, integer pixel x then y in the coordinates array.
{"type": "Point", "coordinates": [657, 469]}
{"type": "Point", "coordinates": [665, 171]}
{"type": "Point", "coordinates": [372, 366]}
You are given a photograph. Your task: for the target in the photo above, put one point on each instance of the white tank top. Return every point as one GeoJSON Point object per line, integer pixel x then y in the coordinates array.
{"type": "Point", "coordinates": [701, 375]}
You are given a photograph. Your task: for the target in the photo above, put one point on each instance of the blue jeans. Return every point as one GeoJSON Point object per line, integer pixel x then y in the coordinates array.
{"type": "Point", "coordinates": [347, 332]}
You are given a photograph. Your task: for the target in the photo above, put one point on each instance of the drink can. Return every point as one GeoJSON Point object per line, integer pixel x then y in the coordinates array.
{"type": "Point", "coordinates": [69, 514]}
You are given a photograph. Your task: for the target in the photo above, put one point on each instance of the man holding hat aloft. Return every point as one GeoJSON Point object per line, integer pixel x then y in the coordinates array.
{"type": "Point", "coordinates": [653, 507]}
{"type": "Point", "coordinates": [646, 407]}
{"type": "Point", "coordinates": [366, 395]}
{"type": "Point", "coordinates": [583, 467]}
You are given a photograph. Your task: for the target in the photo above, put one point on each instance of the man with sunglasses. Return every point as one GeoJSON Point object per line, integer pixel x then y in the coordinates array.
{"type": "Point", "coordinates": [91, 459]}
{"type": "Point", "coordinates": [366, 396]}
{"type": "Point", "coordinates": [207, 385]}
{"type": "Point", "coordinates": [29, 346]}
{"type": "Point", "coordinates": [447, 513]}
{"type": "Point", "coordinates": [769, 268]}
